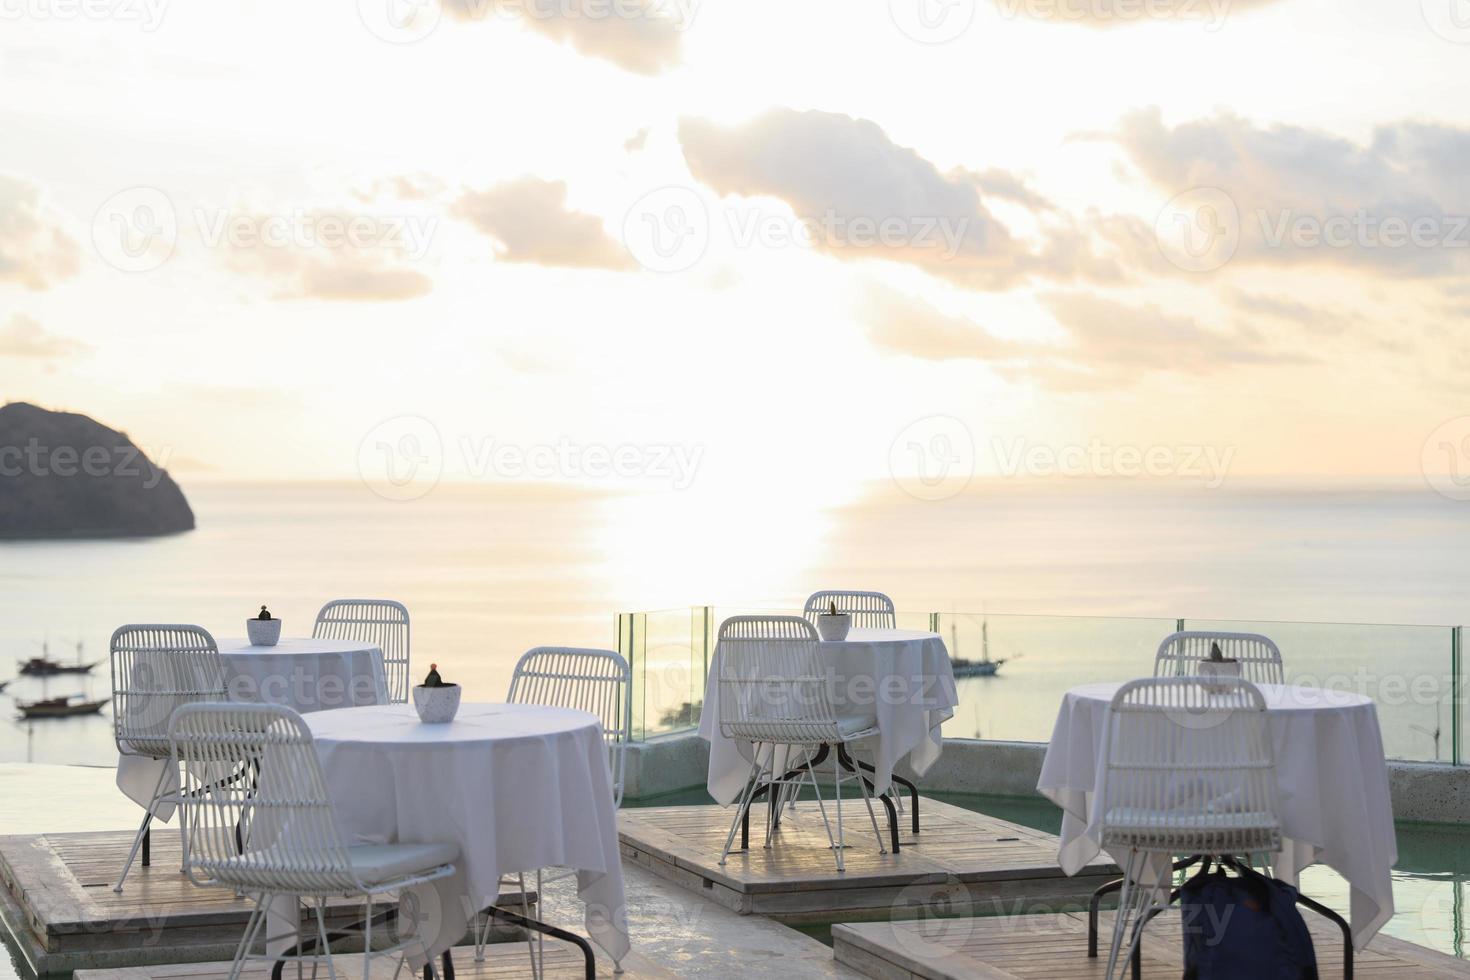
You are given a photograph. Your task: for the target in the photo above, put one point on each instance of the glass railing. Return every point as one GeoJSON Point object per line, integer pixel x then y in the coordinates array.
{"type": "Point", "coordinates": [1413, 673]}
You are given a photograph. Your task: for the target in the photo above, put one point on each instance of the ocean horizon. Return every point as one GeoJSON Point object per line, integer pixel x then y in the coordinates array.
{"type": "Point", "coordinates": [1070, 576]}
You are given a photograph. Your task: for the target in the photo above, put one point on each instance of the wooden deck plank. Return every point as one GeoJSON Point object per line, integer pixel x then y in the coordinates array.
{"type": "Point", "coordinates": [502, 962]}
{"type": "Point", "coordinates": [56, 899]}
{"type": "Point", "coordinates": [1054, 947]}
{"type": "Point", "coordinates": [978, 858]}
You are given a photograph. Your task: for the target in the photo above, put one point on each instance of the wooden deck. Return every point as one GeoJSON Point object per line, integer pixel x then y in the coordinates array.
{"type": "Point", "coordinates": [57, 900]}
{"type": "Point", "coordinates": [963, 860]}
{"type": "Point", "coordinates": [502, 962]}
{"type": "Point", "coordinates": [1054, 947]}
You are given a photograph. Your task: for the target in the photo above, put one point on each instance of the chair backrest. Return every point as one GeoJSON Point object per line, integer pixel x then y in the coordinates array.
{"type": "Point", "coordinates": [257, 814]}
{"type": "Point", "coordinates": [1260, 660]}
{"type": "Point", "coordinates": [1189, 767]}
{"type": "Point", "coordinates": [381, 622]}
{"type": "Point", "coordinates": [771, 684]}
{"type": "Point", "coordinates": [155, 670]}
{"type": "Point", "coordinates": [867, 609]}
{"type": "Point", "coordinates": [596, 681]}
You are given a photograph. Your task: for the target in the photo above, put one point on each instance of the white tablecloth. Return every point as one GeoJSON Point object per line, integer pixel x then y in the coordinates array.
{"type": "Point", "coordinates": [903, 678]}
{"type": "Point", "coordinates": [305, 673]}
{"type": "Point", "coordinates": [517, 787]}
{"type": "Point", "coordinates": [300, 672]}
{"type": "Point", "coordinates": [1332, 789]}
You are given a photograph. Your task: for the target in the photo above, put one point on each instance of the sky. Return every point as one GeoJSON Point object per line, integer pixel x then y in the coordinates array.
{"type": "Point", "coordinates": [744, 242]}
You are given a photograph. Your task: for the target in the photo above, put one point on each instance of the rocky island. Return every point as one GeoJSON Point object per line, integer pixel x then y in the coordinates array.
{"type": "Point", "coordinates": [64, 475]}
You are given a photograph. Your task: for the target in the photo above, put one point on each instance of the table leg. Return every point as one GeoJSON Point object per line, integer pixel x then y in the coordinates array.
{"type": "Point", "coordinates": [536, 925]}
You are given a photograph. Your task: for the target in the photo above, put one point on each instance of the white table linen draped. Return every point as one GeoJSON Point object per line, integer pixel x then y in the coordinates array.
{"type": "Point", "coordinates": [303, 673]}
{"type": "Point", "coordinates": [517, 787]}
{"type": "Point", "coordinates": [902, 678]}
{"type": "Point", "coordinates": [1332, 790]}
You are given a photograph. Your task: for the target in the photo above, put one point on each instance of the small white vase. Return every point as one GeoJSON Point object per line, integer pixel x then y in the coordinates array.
{"type": "Point", "coordinates": [834, 628]}
{"type": "Point", "coordinates": [436, 705]}
{"type": "Point", "coordinates": [1218, 670]}
{"type": "Point", "coordinates": [263, 632]}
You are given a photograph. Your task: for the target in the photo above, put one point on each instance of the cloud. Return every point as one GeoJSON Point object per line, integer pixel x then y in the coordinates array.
{"type": "Point", "coordinates": [845, 176]}
{"type": "Point", "coordinates": [328, 254]}
{"type": "Point", "coordinates": [641, 36]}
{"type": "Point", "coordinates": [1106, 343]}
{"type": "Point", "coordinates": [864, 196]}
{"type": "Point", "coordinates": [1120, 13]}
{"type": "Point", "coordinates": [916, 329]}
{"type": "Point", "coordinates": [1316, 319]}
{"type": "Point", "coordinates": [1399, 204]}
{"type": "Point", "coordinates": [23, 336]}
{"type": "Point", "coordinates": [35, 251]}
{"type": "Point", "coordinates": [1106, 333]}
{"type": "Point", "coordinates": [530, 222]}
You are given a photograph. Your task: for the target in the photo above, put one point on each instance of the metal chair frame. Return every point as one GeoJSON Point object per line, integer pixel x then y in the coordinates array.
{"type": "Point", "coordinates": [867, 609]}
{"type": "Point", "coordinates": [382, 622]}
{"type": "Point", "coordinates": [774, 695]}
{"type": "Point", "coordinates": [157, 668]}
{"type": "Point", "coordinates": [591, 680]}
{"type": "Point", "coordinates": [276, 836]}
{"type": "Point", "coordinates": [1259, 657]}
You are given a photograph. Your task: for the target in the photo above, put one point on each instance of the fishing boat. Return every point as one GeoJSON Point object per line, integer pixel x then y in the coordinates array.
{"type": "Point", "coordinates": [984, 667]}
{"type": "Point", "coordinates": [44, 666]}
{"type": "Point", "coordinates": [62, 707]}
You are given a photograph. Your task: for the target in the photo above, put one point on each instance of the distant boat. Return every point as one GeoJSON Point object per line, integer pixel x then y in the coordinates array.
{"type": "Point", "coordinates": [60, 707]}
{"type": "Point", "coordinates": [984, 667]}
{"type": "Point", "coordinates": [44, 666]}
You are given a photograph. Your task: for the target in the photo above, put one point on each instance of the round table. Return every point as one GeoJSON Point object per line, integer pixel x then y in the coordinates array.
{"type": "Point", "coordinates": [1332, 788]}
{"type": "Point", "coordinates": [517, 787]}
{"type": "Point", "coordinates": [901, 677]}
{"type": "Point", "coordinates": [304, 673]}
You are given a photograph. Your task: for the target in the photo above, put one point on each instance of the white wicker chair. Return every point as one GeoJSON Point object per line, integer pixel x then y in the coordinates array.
{"type": "Point", "coordinates": [155, 670]}
{"type": "Point", "coordinates": [596, 681]}
{"type": "Point", "coordinates": [1188, 771]}
{"type": "Point", "coordinates": [868, 609]}
{"type": "Point", "coordinates": [275, 835]}
{"type": "Point", "coordinates": [1260, 660]}
{"type": "Point", "coordinates": [382, 622]}
{"type": "Point", "coordinates": [774, 694]}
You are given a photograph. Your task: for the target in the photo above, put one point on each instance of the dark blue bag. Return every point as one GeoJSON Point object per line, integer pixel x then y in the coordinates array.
{"type": "Point", "coordinates": [1245, 926]}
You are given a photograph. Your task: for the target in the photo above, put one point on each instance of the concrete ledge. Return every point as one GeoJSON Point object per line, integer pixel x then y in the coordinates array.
{"type": "Point", "coordinates": [666, 764]}
{"type": "Point", "coordinates": [1423, 791]}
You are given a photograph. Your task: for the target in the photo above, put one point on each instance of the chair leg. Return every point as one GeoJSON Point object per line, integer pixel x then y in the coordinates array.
{"type": "Point", "coordinates": [1092, 909]}
{"type": "Point", "coordinates": [247, 938]}
{"type": "Point", "coordinates": [142, 840]}
{"type": "Point", "coordinates": [526, 911]}
{"type": "Point", "coordinates": [868, 802]}
{"type": "Point", "coordinates": [823, 808]}
{"type": "Point", "coordinates": [837, 792]}
{"type": "Point", "coordinates": [1141, 916]}
{"type": "Point", "coordinates": [367, 941]}
{"type": "Point", "coordinates": [740, 811]}
{"type": "Point", "coordinates": [321, 928]}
